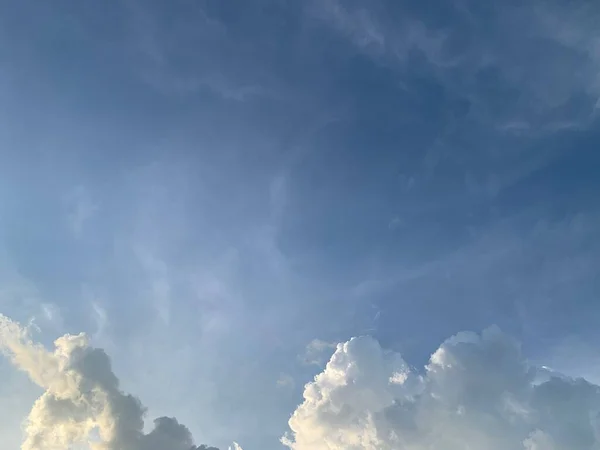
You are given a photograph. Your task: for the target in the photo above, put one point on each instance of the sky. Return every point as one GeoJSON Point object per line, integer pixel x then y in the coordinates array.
{"type": "Point", "coordinates": [303, 225]}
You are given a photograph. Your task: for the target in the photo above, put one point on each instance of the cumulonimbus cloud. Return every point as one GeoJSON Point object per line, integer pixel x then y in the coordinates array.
{"type": "Point", "coordinates": [82, 401]}
{"type": "Point", "coordinates": [477, 392]}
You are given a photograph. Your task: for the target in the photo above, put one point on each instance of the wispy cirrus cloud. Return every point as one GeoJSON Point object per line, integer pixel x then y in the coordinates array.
{"type": "Point", "coordinates": [81, 208]}
{"type": "Point", "coordinates": [177, 59]}
{"type": "Point", "coordinates": [542, 57]}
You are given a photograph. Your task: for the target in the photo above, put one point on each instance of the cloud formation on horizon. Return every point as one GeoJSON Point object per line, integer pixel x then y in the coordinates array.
{"type": "Point", "coordinates": [477, 391]}
{"type": "Point", "coordinates": [82, 401]}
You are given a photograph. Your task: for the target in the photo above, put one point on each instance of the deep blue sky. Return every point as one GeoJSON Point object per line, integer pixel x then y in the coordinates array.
{"type": "Point", "coordinates": [206, 186]}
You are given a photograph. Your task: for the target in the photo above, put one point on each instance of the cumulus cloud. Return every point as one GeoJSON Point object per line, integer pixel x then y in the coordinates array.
{"type": "Point", "coordinates": [235, 446]}
{"type": "Point", "coordinates": [82, 401]}
{"type": "Point", "coordinates": [476, 392]}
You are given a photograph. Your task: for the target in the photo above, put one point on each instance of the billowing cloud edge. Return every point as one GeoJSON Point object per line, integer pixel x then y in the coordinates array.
{"type": "Point", "coordinates": [82, 401]}
{"type": "Point", "coordinates": [477, 391]}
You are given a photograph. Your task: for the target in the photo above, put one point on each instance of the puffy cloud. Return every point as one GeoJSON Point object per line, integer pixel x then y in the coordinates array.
{"type": "Point", "coordinates": [82, 402]}
{"type": "Point", "coordinates": [476, 392]}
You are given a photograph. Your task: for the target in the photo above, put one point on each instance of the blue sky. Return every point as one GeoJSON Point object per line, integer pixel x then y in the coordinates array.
{"type": "Point", "coordinates": [206, 187]}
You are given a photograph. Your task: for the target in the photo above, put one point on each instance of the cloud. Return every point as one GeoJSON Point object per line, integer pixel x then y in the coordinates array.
{"type": "Point", "coordinates": [156, 51]}
{"type": "Point", "coordinates": [285, 380]}
{"type": "Point", "coordinates": [477, 391]}
{"type": "Point", "coordinates": [533, 71]}
{"type": "Point", "coordinates": [81, 209]}
{"type": "Point", "coordinates": [370, 33]}
{"type": "Point", "coordinates": [82, 401]}
{"type": "Point", "coordinates": [315, 352]}
{"type": "Point", "coordinates": [51, 313]}
{"type": "Point", "coordinates": [159, 281]}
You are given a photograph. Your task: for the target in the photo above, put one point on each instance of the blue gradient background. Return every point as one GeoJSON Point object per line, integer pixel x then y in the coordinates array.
{"type": "Point", "coordinates": [206, 186]}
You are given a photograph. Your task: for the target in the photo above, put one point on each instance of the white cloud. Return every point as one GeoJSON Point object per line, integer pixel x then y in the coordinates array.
{"type": "Point", "coordinates": [477, 392]}
{"type": "Point", "coordinates": [285, 380]}
{"type": "Point", "coordinates": [548, 53]}
{"type": "Point", "coordinates": [100, 318]}
{"type": "Point", "coordinates": [366, 30]}
{"type": "Point", "coordinates": [82, 402]}
{"type": "Point", "coordinates": [153, 50]}
{"type": "Point", "coordinates": [158, 281]}
{"type": "Point", "coordinates": [395, 223]}
{"type": "Point", "coordinates": [316, 351]}
{"type": "Point", "coordinates": [51, 312]}
{"type": "Point", "coordinates": [81, 208]}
